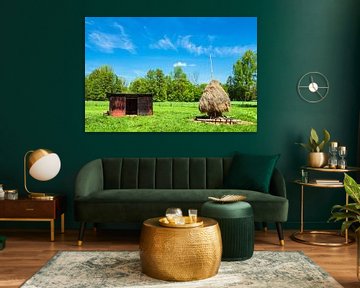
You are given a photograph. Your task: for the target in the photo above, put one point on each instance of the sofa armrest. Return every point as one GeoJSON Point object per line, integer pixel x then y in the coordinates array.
{"type": "Point", "coordinates": [277, 184]}
{"type": "Point", "coordinates": [89, 179]}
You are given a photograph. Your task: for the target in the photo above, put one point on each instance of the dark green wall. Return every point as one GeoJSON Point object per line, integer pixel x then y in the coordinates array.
{"type": "Point", "coordinates": [41, 91]}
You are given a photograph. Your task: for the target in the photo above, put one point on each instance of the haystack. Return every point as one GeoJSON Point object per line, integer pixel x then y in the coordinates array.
{"type": "Point", "coordinates": [214, 100]}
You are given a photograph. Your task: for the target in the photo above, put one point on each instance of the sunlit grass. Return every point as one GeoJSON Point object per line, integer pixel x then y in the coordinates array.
{"type": "Point", "coordinates": [168, 117]}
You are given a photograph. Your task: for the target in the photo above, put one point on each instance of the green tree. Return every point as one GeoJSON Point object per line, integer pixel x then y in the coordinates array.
{"type": "Point", "coordinates": [180, 88]}
{"type": "Point", "coordinates": [179, 73]}
{"type": "Point", "coordinates": [157, 84]}
{"type": "Point", "coordinates": [198, 90]}
{"type": "Point", "coordinates": [139, 85]}
{"type": "Point", "coordinates": [101, 81]}
{"type": "Point", "coordinates": [242, 85]}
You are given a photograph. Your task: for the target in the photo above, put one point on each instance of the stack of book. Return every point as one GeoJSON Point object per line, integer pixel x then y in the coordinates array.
{"type": "Point", "coordinates": [327, 181]}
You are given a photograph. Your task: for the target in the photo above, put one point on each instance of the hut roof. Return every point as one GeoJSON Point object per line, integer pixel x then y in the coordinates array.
{"type": "Point", "coordinates": [129, 95]}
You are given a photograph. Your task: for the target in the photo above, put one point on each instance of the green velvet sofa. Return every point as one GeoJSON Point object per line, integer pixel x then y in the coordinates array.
{"type": "Point", "coordinates": [130, 190]}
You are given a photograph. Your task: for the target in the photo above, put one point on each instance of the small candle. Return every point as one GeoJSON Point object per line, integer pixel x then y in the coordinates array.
{"type": "Point", "coordinates": [342, 149]}
{"type": "Point", "coordinates": [333, 144]}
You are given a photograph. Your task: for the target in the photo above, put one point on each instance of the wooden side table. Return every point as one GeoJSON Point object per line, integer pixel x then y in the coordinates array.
{"type": "Point", "coordinates": [26, 209]}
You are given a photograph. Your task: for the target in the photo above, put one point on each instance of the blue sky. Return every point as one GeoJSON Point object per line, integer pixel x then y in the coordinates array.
{"type": "Point", "coordinates": [134, 45]}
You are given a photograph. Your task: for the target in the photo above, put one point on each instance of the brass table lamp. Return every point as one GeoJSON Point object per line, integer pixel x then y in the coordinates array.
{"type": "Point", "coordinates": [43, 165]}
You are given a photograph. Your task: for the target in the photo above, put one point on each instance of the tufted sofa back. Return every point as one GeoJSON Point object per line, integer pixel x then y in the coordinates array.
{"type": "Point", "coordinates": [164, 173]}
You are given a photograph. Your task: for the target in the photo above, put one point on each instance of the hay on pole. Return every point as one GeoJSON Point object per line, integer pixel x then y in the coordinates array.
{"type": "Point", "coordinates": [214, 100]}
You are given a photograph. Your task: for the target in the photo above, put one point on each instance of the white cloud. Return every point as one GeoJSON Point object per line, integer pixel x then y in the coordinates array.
{"type": "Point", "coordinates": [180, 64]}
{"type": "Point", "coordinates": [164, 43]}
{"type": "Point", "coordinates": [107, 42]}
{"type": "Point", "coordinates": [186, 43]}
{"type": "Point", "coordinates": [232, 50]}
{"type": "Point", "coordinates": [183, 64]}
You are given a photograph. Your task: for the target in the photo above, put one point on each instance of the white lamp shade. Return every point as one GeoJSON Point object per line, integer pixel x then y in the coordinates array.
{"type": "Point", "coordinates": [46, 168]}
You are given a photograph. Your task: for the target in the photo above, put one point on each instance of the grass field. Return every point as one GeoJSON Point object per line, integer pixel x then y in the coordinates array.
{"type": "Point", "coordinates": [168, 117]}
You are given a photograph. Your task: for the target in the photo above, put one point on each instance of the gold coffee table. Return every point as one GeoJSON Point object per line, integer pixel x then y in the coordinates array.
{"type": "Point", "coordinates": [180, 254]}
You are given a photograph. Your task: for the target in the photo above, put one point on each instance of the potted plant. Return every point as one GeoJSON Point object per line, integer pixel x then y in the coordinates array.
{"type": "Point", "coordinates": [317, 157]}
{"type": "Point", "coordinates": [350, 213]}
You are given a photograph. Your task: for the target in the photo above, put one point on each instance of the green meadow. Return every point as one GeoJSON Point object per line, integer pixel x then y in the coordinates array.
{"type": "Point", "coordinates": [169, 117]}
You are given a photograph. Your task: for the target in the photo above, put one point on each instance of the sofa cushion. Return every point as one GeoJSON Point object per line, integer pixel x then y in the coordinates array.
{"type": "Point", "coordinates": [266, 207]}
{"type": "Point", "coordinates": [251, 172]}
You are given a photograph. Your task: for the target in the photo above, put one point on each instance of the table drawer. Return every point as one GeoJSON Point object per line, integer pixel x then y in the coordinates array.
{"type": "Point", "coordinates": [30, 209]}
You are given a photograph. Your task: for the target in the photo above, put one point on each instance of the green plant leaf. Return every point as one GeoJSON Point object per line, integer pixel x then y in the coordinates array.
{"type": "Point", "coordinates": [352, 188]}
{"type": "Point", "coordinates": [314, 136]}
{"type": "Point", "coordinates": [321, 146]}
{"type": "Point", "coordinates": [336, 216]}
{"type": "Point", "coordinates": [312, 144]}
{"type": "Point", "coordinates": [326, 136]}
{"type": "Point", "coordinates": [349, 213]}
{"type": "Point", "coordinates": [346, 225]}
{"type": "Point", "coordinates": [350, 207]}
{"type": "Point", "coordinates": [306, 146]}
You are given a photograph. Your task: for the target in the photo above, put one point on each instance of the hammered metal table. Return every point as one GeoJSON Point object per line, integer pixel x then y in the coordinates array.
{"type": "Point", "coordinates": [180, 254]}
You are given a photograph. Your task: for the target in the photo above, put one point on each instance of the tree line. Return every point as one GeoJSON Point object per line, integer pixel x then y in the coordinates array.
{"type": "Point", "coordinates": [176, 86]}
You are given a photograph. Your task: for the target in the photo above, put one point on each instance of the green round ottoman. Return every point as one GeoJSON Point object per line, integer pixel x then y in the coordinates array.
{"type": "Point", "coordinates": [236, 221]}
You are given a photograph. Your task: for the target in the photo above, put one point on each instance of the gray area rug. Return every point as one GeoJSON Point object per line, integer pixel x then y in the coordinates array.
{"type": "Point", "coordinates": [80, 269]}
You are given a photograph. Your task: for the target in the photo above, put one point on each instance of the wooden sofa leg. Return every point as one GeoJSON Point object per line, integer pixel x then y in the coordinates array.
{"type": "Point", "coordinates": [280, 233]}
{"type": "Point", "coordinates": [81, 233]}
{"type": "Point", "coordinates": [265, 227]}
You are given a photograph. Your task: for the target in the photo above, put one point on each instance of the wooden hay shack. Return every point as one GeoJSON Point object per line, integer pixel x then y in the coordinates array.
{"type": "Point", "coordinates": [121, 104]}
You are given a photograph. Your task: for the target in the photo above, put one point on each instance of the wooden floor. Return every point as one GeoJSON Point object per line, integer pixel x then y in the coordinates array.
{"type": "Point", "coordinates": [28, 250]}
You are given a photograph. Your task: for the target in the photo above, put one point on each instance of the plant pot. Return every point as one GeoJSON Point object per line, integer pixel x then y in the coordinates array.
{"type": "Point", "coordinates": [317, 159]}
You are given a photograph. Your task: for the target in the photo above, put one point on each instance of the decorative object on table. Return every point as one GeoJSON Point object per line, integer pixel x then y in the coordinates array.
{"type": "Point", "coordinates": [43, 165]}
{"type": "Point", "coordinates": [11, 194]}
{"type": "Point", "coordinates": [2, 192]}
{"type": "Point", "coordinates": [328, 182]}
{"type": "Point", "coordinates": [228, 198]}
{"type": "Point", "coordinates": [333, 150]}
{"type": "Point", "coordinates": [304, 176]}
{"type": "Point", "coordinates": [342, 153]}
{"type": "Point", "coordinates": [122, 268]}
{"type": "Point", "coordinates": [2, 242]}
{"type": "Point", "coordinates": [313, 87]}
{"type": "Point", "coordinates": [350, 213]}
{"type": "Point", "coordinates": [174, 215]}
{"type": "Point", "coordinates": [317, 157]}
{"type": "Point", "coordinates": [193, 215]}
{"type": "Point", "coordinates": [187, 223]}
{"type": "Point", "coordinates": [236, 221]}
{"type": "Point", "coordinates": [180, 254]}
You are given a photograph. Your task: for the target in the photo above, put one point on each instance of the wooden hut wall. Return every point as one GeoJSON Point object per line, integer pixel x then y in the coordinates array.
{"type": "Point", "coordinates": [145, 105]}
{"type": "Point", "coordinates": [117, 106]}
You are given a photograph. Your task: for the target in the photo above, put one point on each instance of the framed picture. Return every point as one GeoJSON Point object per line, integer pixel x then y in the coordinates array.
{"type": "Point", "coordinates": [170, 74]}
